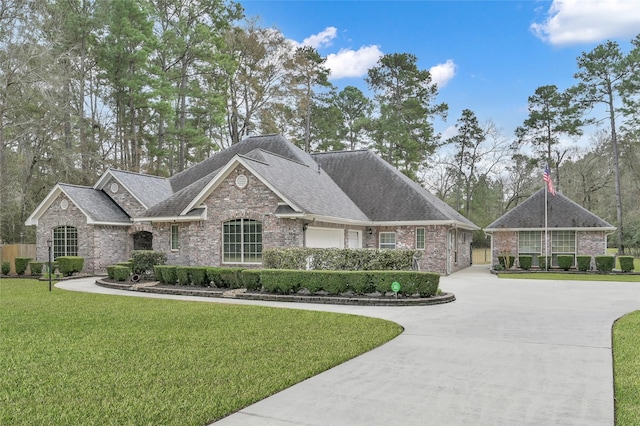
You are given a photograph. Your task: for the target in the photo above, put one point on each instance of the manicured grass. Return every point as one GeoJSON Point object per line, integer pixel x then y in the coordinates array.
{"type": "Point", "coordinates": [71, 358]}
{"type": "Point", "coordinates": [572, 277]}
{"type": "Point", "coordinates": [626, 362]}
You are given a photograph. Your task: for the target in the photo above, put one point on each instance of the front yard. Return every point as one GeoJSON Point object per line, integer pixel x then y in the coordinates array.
{"type": "Point", "coordinates": [75, 358]}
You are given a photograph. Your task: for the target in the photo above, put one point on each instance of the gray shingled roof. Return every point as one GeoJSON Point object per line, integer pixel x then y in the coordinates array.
{"type": "Point", "coordinates": [306, 185]}
{"type": "Point", "coordinates": [562, 213]}
{"type": "Point", "coordinates": [149, 189]}
{"type": "Point", "coordinates": [276, 144]}
{"type": "Point", "coordinates": [177, 202]}
{"type": "Point", "coordinates": [96, 204]}
{"type": "Point", "coordinates": [382, 192]}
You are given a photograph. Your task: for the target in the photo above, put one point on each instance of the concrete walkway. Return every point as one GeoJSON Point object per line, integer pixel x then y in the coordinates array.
{"type": "Point", "coordinates": [506, 352]}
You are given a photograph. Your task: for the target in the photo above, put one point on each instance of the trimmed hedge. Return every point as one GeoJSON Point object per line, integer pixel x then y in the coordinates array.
{"type": "Point", "coordinates": [283, 281]}
{"type": "Point", "coordinates": [182, 273]}
{"type": "Point", "coordinates": [605, 263]}
{"type": "Point", "coordinates": [166, 274]}
{"type": "Point", "coordinates": [525, 261]}
{"type": "Point", "coordinates": [565, 261]}
{"type": "Point", "coordinates": [337, 259]}
{"type": "Point", "coordinates": [224, 277]}
{"type": "Point", "coordinates": [250, 279]}
{"type": "Point", "coordinates": [36, 268]}
{"type": "Point", "coordinates": [583, 262]}
{"type": "Point", "coordinates": [198, 275]}
{"type": "Point", "coordinates": [6, 267]}
{"type": "Point", "coordinates": [21, 264]}
{"type": "Point", "coordinates": [543, 261]}
{"type": "Point", "coordinates": [120, 273]}
{"type": "Point", "coordinates": [144, 260]}
{"type": "Point", "coordinates": [626, 263]}
{"type": "Point", "coordinates": [68, 265]}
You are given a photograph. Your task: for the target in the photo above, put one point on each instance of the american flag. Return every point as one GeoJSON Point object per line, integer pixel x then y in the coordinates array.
{"type": "Point", "coordinates": [547, 178]}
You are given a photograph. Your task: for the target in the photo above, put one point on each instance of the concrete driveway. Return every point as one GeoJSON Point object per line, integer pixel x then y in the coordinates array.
{"type": "Point", "coordinates": [506, 352]}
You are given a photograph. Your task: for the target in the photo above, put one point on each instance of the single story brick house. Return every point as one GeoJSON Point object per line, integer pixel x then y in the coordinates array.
{"type": "Point", "coordinates": [571, 229]}
{"type": "Point", "coordinates": [263, 192]}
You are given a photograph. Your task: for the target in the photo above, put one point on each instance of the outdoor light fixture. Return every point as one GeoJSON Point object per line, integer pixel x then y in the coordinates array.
{"type": "Point", "coordinates": [305, 226]}
{"type": "Point", "coordinates": [370, 231]}
{"type": "Point", "coordinates": [49, 247]}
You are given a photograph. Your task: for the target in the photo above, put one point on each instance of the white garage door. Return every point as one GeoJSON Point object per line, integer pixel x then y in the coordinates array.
{"type": "Point", "coordinates": [325, 238]}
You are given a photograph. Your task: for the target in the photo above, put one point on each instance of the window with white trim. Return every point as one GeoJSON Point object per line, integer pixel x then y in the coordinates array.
{"type": "Point", "coordinates": [563, 242]}
{"type": "Point", "coordinates": [65, 241]}
{"type": "Point", "coordinates": [529, 242]}
{"type": "Point", "coordinates": [242, 241]}
{"type": "Point", "coordinates": [387, 240]}
{"type": "Point", "coordinates": [175, 237]}
{"type": "Point", "coordinates": [420, 239]}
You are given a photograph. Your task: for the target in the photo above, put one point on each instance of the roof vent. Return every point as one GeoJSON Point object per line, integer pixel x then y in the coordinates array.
{"type": "Point", "coordinates": [241, 181]}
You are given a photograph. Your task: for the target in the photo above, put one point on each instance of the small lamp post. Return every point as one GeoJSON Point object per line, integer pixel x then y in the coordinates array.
{"type": "Point", "coordinates": [49, 247]}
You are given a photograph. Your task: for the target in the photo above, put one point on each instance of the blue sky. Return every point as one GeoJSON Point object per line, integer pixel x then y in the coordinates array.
{"type": "Point", "coordinates": [487, 56]}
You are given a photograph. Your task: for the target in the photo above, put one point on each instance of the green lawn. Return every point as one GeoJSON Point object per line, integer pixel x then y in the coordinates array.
{"type": "Point", "coordinates": [71, 358]}
{"type": "Point", "coordinates": [626, 362]}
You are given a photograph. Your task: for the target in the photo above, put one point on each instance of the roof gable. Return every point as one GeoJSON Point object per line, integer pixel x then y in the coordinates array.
{"type": "Point", "coordinates": [98, 208]}
{"type": "Point", "coordinates": [148, 190]}
{"type": "Point", "coordinates": [561, 213]}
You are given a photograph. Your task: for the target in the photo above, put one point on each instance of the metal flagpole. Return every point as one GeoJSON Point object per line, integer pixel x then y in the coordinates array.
{"type": "Point", "coordinates": [546, 230]}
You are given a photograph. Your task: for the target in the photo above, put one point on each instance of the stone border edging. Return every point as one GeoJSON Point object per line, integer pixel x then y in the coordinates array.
{"type": "Point", "coordinates": [330, 300]}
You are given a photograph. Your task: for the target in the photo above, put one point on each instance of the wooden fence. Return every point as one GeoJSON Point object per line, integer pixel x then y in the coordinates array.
{"type": "Point", "coordinates": [9, 252]}
{"type": "Point", "coordinates": [481, 256]}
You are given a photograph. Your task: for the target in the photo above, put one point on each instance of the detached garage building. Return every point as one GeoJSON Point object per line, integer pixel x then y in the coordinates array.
{"type": "Point", "coordinates": [571, 229]}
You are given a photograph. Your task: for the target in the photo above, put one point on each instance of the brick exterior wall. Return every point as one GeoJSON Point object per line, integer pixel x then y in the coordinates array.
{"type": "Point", "coordinates": [587, 243]}
{"type": "Point", "coordinates": [99, 245]}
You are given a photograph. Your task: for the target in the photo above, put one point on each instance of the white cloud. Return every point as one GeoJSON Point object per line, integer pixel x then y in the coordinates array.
{"type": "Point", "coordinates": [352, 63]}
{"type": "Point", "coordinates": [322, 39]}
{"type": "Point", "coordinates": [442, 73]}
{"type": "Point", "coordinates": [580, 21]}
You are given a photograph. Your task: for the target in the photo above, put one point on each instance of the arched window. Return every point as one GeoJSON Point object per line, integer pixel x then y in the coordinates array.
{"type": "Point", "coordinates": [65, 241]}
{"type": "Point", "coordinates": [242, 241]}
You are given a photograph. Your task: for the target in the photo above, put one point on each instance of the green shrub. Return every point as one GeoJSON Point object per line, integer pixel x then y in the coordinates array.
{"type": "Point", "coordinates": [565, 261]}
{"type": "Point", "coordinates": [36, 268]}
{"type": "Point", "coordinates": [144, 260]}
{"type": "Point", "coordinates": [182, 273]}
{"type": "Point", "coordinates": [583, 263]}
{"type": "Point", "coordinates": [121, 273]}
{"type": "Point", "coordinates": [335, 282]}
{"type": "Point", "coordinates": [544, 262]}
{"type": "Point", "coordinates": [282, 281]}
{"type": "Point", "coordinates": [230, 277]}
{"type": "Point", "coordinates": [250, 279]}
{"type": "Point", "coordinates": [198, 275]}
{"type": "Point", "coordinates": [157, 273]}
{"type": "Point", "coordinates": [362, 283]}
{"type": "Point", "coordinates": [213, 275]}
{"type": "Point", "coordinates": [69, 265]}
{"type": "Point", "coordinates": [605, 263]}
{"type": "Point", "coordinates": [21, 264]}
{"type": "Point", "coordinates": [626, 263]}
{"type": "Point", "coordinates": [111, 272]}
{"type": "Point", "coordinates": [525, 261]}
{"type": "Point", "coordinates": [169, 274]}
{"type": "Point", "coordinates": [337, 259]}
{"type": "Point", "coordinates": [6, 267]}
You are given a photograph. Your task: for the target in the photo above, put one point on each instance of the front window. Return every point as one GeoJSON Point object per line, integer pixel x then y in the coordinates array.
{"type": "Point", "coordinates": [420, 239]}
{"type": "Point", "coordinates": [563, 242]}
{"type": "Point", "coordinates": [387, 240]}
{"type": "Point", "coordinates": [65, 241]}
{"type": "Point", "coordinates": [530, 242]}
{"type": "Point", "coordinates": [242, 241]}
{"type": "Point", "coordinates": [175, 237]}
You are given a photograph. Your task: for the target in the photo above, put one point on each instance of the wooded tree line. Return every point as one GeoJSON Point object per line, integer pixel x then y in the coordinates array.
{"type": "Point", "coordinates": [154, 86]}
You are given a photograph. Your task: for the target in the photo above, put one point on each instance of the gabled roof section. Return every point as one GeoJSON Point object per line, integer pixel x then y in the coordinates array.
{"type": "Point", "coordinates": [147, 189]}
{"type": "Point", "coordinates": [383, 193]}
{"type": "Point", "coordinates": [94, 204]}
{"type": "Point", "coordinates": [276, 144]}
{"type": "Point", "coordinates": [561, 213]}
